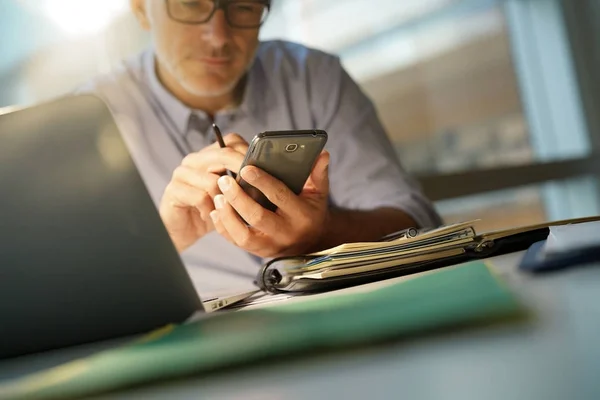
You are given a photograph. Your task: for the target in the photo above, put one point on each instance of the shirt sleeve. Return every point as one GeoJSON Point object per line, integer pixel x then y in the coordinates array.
{"type": "Point", "coordinates": [364, 170]}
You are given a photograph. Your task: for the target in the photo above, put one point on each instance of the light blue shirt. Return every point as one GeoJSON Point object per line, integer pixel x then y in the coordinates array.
{"type": "Point", "coordinates": [289, 86]}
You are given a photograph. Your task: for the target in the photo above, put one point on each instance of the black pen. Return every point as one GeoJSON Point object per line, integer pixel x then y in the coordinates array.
{"type": "Point", "coordinates": [221, 144]}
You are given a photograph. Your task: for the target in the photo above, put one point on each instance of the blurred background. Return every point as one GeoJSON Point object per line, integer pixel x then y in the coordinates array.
{"type": "Point", "coordinates": [493, 104]}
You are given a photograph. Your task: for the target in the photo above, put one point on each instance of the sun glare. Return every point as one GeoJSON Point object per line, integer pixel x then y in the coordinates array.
{"type": "Point", "coordinates": [77, 17]}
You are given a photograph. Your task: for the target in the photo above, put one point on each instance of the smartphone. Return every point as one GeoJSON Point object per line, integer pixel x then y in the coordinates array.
{"type": "Point", "coordinates": [286, 155]}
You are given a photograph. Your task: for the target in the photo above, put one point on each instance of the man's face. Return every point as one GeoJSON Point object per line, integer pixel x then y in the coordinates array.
{"type": "Point", "coordinates": [205, 59]}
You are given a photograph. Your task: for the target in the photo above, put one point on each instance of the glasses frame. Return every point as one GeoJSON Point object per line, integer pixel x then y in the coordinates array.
{"type": "Point", "coordinates": [221, 5]}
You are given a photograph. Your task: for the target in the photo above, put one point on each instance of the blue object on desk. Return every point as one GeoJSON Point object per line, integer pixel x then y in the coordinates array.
{"type": "Point", "coordinates": [535, 261]}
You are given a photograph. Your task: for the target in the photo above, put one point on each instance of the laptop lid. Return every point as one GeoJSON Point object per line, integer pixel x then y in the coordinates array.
{"type": "Point", "coordinates": [84, 255]}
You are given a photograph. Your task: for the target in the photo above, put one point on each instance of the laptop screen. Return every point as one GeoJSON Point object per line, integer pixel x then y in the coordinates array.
{"type": "Point", "coordinates": [84, 255]}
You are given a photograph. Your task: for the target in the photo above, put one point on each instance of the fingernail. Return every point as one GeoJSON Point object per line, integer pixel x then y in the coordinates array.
{"type": "Point", "coordinates": [249, 175]}
{"type": "Point", "coordinates": [219, 201]}
{"type": "Point", "coordinates": [214, 215]}
{"type": "Point", "coordinates": [224, 183]}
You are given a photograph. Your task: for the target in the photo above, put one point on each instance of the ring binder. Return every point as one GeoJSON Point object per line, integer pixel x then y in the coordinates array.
{"type": "Point", "coordinates": [357, 263]}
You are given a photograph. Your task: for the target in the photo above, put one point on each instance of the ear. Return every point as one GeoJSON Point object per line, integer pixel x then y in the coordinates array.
{"type": "Point", "coordinates": [140, 10]}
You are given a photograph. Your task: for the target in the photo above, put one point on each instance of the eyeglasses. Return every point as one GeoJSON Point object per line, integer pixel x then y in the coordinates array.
{"type": "Point", "coordinates": [245, 14]}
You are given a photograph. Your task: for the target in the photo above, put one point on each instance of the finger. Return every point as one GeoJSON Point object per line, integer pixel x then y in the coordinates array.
{"type": "Point", "coordinates": [275, 190]}
{"type": "Point", "coordinates": [237, 146]}
{"type": "Point", "coordinates": [241, 148]}
{"type": "Point", "coordinates": [205, 207]}
{"type": "Point", "coordinates": [201, 180]}
{"type": "Point", "coordinates": [216, 220]}
{"type": "Point", "coordinates": [232, 140]}
{"type": "Point", "coordinates": [319, 177]}
{"type": "Point", "coordinates": [241, 234]}
{"type": "Point", "coordinates": [253, 213]}
{"type": "Point", "coordinates": [215, 161]}
{"type": "Point", "coordinates": [181, 196]}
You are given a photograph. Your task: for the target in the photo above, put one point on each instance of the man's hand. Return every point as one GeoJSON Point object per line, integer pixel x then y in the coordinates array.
{"type": "Point", "coordinates": [294, 228]}
{"type": "Point", "coordinates": [188, 199]}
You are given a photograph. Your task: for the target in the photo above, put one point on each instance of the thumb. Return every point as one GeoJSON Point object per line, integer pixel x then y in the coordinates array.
{"type": "Point", "coordinates": [320, 173]}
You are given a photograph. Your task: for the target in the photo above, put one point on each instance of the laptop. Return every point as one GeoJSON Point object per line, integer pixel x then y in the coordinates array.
{"type": "Point", "coordinates": [84, 255]}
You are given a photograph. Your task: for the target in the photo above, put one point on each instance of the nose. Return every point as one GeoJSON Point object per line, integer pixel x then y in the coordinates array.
{"type": "Point", "coordinates": [218, 29]}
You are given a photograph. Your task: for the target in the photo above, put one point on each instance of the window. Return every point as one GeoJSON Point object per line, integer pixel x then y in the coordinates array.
{"type": "Point", "coordinates": [440, 73]}
{"type": "Point", "coordinates": [462, 85]}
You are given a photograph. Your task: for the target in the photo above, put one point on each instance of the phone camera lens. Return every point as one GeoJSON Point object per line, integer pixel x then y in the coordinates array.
{"type": "Point", "coordinates": [292, 147]}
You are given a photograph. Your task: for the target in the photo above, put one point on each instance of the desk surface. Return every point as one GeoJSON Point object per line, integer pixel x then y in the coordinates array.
{"type": "Point", "coordinates": [553, 356]}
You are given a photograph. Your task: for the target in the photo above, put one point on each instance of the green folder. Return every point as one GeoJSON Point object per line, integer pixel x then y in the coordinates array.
{"type": "Point", "coordinates": [465, 294]}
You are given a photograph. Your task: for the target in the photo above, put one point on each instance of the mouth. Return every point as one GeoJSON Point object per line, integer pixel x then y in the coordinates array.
{"type": "Point", "coordinates": [215, 61]}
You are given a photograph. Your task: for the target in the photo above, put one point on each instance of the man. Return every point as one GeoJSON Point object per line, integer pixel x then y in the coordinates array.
{"type": "Point", "coordinates": [206, 65]}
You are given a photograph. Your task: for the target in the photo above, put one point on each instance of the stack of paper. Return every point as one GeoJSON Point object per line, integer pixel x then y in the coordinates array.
{"type": "Point", "coordinates": [367, 257]}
